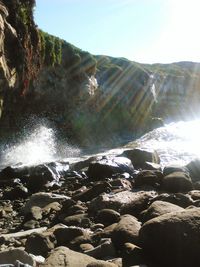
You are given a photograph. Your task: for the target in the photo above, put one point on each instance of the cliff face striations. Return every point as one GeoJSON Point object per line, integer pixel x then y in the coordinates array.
{"type": "Point", "coordinates": [85, 97]}
{"type": "Point", "coordinates": [20, 57]}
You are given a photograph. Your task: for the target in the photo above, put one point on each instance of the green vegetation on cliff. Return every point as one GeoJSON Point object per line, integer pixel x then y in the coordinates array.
{"type": "Point", "coordinates": [57, 51]}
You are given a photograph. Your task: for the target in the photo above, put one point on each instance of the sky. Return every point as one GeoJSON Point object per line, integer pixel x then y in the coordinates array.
{"type": "Point", "coordinates": [146, 31]}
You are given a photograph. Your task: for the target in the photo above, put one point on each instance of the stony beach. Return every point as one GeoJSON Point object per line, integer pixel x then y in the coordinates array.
{"type": "Point", "coordinates": [120, 210]}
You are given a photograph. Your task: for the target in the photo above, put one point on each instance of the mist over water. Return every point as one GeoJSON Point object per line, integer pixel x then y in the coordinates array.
{"type": "Point", "coordinates": [36, 146]}
{"type": "Point", "coordinates": [176, 143]}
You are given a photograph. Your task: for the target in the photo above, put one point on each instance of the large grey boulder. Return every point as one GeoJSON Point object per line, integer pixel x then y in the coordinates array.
{"type": "Point", "coordinates": [173, 239]}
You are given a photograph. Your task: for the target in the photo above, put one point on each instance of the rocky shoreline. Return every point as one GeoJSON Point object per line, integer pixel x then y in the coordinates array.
{"type": "Point", "coordinates": [104, 211]}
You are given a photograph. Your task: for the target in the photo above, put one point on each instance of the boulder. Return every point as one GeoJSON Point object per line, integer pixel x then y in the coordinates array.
{"type": "Point", "coordinates": [108, 166]}
{"type": "Point", "coordinates": [148, 177]}
{"type": "Point", "coordinates": [107, 216]}
{"type": "Point", "coordinates": [132, 255]}
{"type": "Point", "coordinates": [173, 239]}
{"type": "Point", "coordinates": [139, 157]}
{"type": "Point", "coordinates": [64, 235]}
{"type": "Point", "coordinates": [177, 182]}
{"type": "Point", "coordinates": [65, 257]}
{"type": "Point", "coordinates": [194, 170]}
{"type": "Point", "coordinates": [17, 192]}
{"type": "Point", "coordinates": [173, 168]}
{"type": "Point", "coordinates": [103, 251]}
{"type": "Point", "coordinates": [139, 202]}
{"type": "Point", "coordinates": [80, 220]}
{"type": "Point", "coordinates": [11, 256]}
{"type": "Point", "coordinates": [38, 244]}
{"type": "Point", "coordinates": [158, 208]}
{"type": "Point", "coordinates": [117, 200]}
{"type": "Point", "coordinates": [179, 199]}
{"type": "Point", "coordinates": [41, 200]}
{"type": "Point", "coordinates": [126, 230]}
{"type": "Point", "coordinates": [37, 176]}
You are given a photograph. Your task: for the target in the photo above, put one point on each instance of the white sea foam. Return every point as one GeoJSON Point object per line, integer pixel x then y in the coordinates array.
{"type": "Point", "coordinates": [35, 147]}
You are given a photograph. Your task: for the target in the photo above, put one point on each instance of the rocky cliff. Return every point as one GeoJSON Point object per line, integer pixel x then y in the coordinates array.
{"type": "Point", "coordinates": [86, 97]}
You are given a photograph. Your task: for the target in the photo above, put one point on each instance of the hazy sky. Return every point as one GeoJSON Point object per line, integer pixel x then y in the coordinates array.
{"type": "Point", "coordinates": [146, 31]}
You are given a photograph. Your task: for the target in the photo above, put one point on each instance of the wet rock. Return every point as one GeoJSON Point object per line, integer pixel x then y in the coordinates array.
{"type": "Point", "coordinates": [36, 177]}
{"type": "Point", "coordinates": [177, 182]}
{"type": "Point", "coordinates": [116, 201]}
{"type": "Point", "coordinates": [93, 192]}
{"type": "Point", "coordinates": [41, 200]}
{"type": "Point", "coordinates": [139, 157]}
{"type": "Point", "coordinates": [107, 216]}
{"type": "Point", "coordinates": [152, 166]}
{"type": "Point", "coordinates": [126, 230]}
{"type": "Point", "coordinates": [139, 202]}
{"type": "Point", "coordinates": [158, 208]}
{"type": "Point", "coordinates": [64, 257]}
{"type": "Point", "coordinates": [148, 177]}
{"type": "Point", "coordinates": [173, 239]}
{"type": "Point", "coordinates": [82, 164]}
{"type": "Point", "coordinates": [108, 166]}
{"type": "Point", "coordinates": [11, 256]}
{"type": "Point", "coordinates": [39, 176]}
{"type": "Point", "coordinates": [8, 173]}
{"type": "Point", "coordinates": [38, 244]}
{"type": "Point", "coordinates": [18, 192]}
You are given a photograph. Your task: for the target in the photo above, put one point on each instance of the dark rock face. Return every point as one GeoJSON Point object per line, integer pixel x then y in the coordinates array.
{"type": "Point", "coordinates": [172, 239]}
{"type": "Point", "coordinates": [106, 167]}
{"type": "Point", "coordinates": [151, 178]}
{"type": "Point", "coordinates": [35, 177]}
{"type": "Point", "coordinates": [139, 157]}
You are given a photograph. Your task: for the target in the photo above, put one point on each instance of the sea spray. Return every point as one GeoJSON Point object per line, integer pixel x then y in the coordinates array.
{"type": "Point", "coordinates": [38, 145]}
{"type": "Point", "coordinates": [176, 143]}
